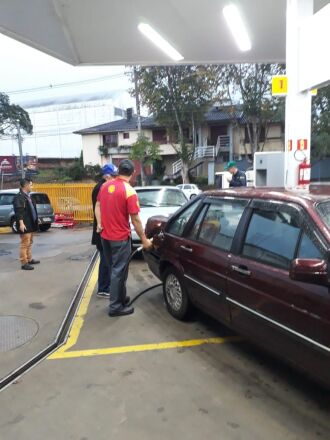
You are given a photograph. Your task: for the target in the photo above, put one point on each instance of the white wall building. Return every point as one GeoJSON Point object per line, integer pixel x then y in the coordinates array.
{"type": "Point", "coordinates": [55, 119]}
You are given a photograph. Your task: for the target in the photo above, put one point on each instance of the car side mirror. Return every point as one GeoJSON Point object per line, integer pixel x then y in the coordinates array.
{"type": "Point", "coordinates": [310, 271]}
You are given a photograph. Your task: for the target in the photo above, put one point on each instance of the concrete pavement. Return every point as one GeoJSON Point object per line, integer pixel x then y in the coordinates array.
{"type": "Point", "coordinates": [99, 387]}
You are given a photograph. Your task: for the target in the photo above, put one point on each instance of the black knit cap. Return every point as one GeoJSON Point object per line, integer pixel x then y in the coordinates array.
{"type": "Point", "coordinates": [126, 167]}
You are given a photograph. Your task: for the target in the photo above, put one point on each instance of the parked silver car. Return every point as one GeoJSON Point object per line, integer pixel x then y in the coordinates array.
{"type": "Point", "coordinates": [157, 200]}
{"type": "Point", "coordinates": [44, 209]}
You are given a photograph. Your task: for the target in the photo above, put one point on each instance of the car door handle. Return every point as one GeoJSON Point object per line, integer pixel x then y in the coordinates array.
{"type": "Point", "coordinates": [187, 249]}
{"type": "Point", "coordinates": [243, 270]}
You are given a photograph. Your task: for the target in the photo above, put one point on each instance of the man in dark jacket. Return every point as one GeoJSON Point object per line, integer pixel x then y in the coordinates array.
{"type": "Point", "coordinates": [238, 176]}
{"type": "Point", "coordinates": [108, 171]}
{"type": "Point", "coordinates": [26, 223]}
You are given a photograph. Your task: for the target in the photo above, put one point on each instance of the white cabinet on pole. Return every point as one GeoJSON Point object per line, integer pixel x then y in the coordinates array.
{"type": "Point", "coordinates": [269, 168]}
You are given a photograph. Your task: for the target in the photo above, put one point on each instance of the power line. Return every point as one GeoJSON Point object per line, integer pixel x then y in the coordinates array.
{"type": "Point", "coordinates": [68, 84]}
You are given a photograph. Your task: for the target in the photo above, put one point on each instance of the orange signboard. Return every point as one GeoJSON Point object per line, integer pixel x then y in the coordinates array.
{"type": "Point", "coordinates": [302, 144]}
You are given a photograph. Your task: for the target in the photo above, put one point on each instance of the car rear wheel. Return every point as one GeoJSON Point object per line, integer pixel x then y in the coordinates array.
{"type": "Point", "coordinates": [192, 196]}
{"type": "Point", "coordinates": [176, 297]}
{"type": "Point", "coordinates": [44, 228]}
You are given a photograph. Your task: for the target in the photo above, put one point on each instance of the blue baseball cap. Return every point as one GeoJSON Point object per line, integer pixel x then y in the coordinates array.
{"type": "Point", "coordinates": [109, 169]}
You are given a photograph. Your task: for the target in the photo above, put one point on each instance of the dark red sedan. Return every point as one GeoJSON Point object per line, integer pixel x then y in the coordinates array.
{"type": "Point", "coordinates": [257, 260]}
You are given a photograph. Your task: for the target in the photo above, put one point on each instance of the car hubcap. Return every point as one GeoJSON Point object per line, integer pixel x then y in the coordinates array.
{"type": "Point", "coordinates": [173, 292]}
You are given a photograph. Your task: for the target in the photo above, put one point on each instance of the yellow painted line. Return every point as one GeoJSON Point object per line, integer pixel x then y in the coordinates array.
{"type": "Point", "coordinates": [78, 321]}
{"type": "Point", "coordinates": [141, 348]}
{"type": "Point", "coordinates": [5, 230]}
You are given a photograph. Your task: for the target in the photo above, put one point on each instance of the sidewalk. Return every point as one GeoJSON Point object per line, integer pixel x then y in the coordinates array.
{"type": "Point", "coordinates": [34, 303]}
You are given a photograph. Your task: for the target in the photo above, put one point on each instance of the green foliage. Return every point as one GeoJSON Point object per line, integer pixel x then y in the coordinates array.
{"type": "Point", "coordinates": [320, 139]}
{"type": "Point", "coordinates": [93, 172]}
{"type": "Point", "coordinates": [250, 84]}
{"type": "Point", "coordinates": [159, 170]}
{"type": "Point", "coordinates": [103, 150]}
{"type": "Point", "coordinates": [12, 115]}
{"type": "Point", "coordinates": [145, 150]}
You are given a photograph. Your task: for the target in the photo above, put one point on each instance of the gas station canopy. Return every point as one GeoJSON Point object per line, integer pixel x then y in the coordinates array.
{"type": "Point", "coordinates": [106, 31]}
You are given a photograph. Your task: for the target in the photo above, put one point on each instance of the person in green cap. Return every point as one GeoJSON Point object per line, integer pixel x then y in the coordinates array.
{"type": "Point", "coordinates": [238, 177]}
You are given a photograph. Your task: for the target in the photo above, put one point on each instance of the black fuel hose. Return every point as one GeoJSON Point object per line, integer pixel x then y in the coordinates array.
{"type": "Point", "coordinates": [139, 249]}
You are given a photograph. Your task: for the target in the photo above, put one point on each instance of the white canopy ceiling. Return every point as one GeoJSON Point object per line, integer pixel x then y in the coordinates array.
{"type": "Point", "coordinates": [105, 31]}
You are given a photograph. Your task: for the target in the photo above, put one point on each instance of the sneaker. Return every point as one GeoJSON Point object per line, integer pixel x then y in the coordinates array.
{"type": "Point", "coordinates": [103, 294]}
{"type": "Point", "coordinates": [27, 266]}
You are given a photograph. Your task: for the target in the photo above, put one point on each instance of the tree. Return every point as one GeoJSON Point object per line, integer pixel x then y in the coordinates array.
{"type": "Point", "coordinates": [146, 152]}
{"type": "Point", "coordinates": [179, 96]}
{"type": "Point", "coordinates": [320, 139]}
{"type": "Point", "coordinates": [13, 116]}
{"type": "Point", "coordinates": [250, 84]}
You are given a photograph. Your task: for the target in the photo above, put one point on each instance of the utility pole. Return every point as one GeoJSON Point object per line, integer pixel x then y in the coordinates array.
{"type": "Point", "coordinates": [19, 139]}
{"type": "Point", "coordinates": [138, 113]}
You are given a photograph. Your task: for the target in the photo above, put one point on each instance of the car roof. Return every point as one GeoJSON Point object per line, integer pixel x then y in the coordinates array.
{"type": "Point", "coordinates": [311, 195]}
{"type": "Point", "coordinates": [155, 187]}
{"type": "Point", "coordinates": [16, 191]}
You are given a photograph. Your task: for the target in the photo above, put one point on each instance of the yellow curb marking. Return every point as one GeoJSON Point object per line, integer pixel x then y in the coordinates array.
{"type": "Point", "coordinates": [80, 315]}
{"type": "Point", "coordinates": [143, 347]}
{"type": "Point", "coordinates": [63, 353]}
{"type": "Point", "coordinates": [5, 230]}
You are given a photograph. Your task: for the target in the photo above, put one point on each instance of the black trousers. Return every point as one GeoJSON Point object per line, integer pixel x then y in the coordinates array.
{"type": "Point", "coordinates": [117, 254]}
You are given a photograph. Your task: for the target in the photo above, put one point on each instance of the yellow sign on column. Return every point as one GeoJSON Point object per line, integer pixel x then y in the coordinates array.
{"type": "Point", "coordinates": [279, 85]}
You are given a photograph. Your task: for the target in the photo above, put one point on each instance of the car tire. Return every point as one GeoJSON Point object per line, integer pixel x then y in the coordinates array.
{"type": "Point", "coordinates": [175, 294]}
{"type": "Point", "coordinates": [192, 196]}
{"type": "Point", "coordinates": [13, 225]}
{"type": "Point", "coordinates": [44, 228]}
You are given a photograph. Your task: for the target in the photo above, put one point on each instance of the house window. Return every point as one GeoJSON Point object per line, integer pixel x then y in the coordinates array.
{"type": "Point", "coordinates": [159, 136]}
{"type": "Point", "coordinates": [110, 140]}
{"type": "Point", "coordinates": [126, 135]}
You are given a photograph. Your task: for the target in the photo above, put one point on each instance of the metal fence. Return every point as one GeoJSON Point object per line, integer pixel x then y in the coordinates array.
{"type": "Point", "coordinates": [73, 198]}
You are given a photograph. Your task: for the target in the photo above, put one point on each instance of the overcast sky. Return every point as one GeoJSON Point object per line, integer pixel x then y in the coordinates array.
{"type": "Point", "coordinates": [24, 68]}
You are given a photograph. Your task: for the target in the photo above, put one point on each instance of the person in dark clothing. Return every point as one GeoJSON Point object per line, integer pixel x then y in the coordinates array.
{"type": "Point", "coordinates": [118, 202]}
{"type": "Point", "coordinates": [26, 223]}
{"type": "Point", "coordinates": [238, 176]}
{"type": "Point", "coordinates": [108, 171]}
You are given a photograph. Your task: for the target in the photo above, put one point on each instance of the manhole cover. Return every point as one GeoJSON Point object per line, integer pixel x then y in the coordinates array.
{"type": "Point", "coordinates": [16, 331]}
{"type": "Point", "coordinates": [2, 253]}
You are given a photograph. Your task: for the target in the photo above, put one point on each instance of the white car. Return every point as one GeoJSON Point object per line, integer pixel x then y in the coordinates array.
{"type": "Point", "coordinates": [157, 200]}
{"type": "Point", "coordinates": [189, 189]}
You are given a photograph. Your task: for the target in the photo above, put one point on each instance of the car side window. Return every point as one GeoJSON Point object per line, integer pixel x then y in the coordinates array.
{"type": "Point", "coordinates": [178, 225]}
{"type": "Point", "coordinates": [220, 223]}
{"type": "Point", "coordinates": [307, 249]}
{"type": "Point", "coordinates": [193, 233]}
{"type": "Point", "coordinates": [272, 237]}
{"type": "Point", "coordinates": [6, 199]}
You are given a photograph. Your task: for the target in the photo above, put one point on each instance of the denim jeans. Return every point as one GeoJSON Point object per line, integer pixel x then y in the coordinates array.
{"type": "Point", "coordinates": [117, 254]}
{"type": "Point", "coordinates": [104, 274]}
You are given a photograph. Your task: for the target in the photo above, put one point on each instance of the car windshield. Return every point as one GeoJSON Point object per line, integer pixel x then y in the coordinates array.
{"type": "Point", "coordinates": [324, 211]}
{"type": "Point", "coordinates": [160, 197]}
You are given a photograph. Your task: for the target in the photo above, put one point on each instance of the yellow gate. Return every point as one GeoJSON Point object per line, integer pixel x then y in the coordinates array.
{"type": "Point", "coordinates": [73, 198]}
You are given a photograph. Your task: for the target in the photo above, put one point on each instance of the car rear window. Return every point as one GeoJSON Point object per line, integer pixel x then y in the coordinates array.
{"type": "Point", "coordinates": [40, 199]}
{"type": "Point", "coordinates": [324, 211]}
{"type": "Point", "coordinates": [161, 197]}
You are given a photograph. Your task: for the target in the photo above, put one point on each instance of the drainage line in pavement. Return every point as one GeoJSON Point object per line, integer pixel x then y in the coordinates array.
{"type": "Point", "coordinates": [61, 334]}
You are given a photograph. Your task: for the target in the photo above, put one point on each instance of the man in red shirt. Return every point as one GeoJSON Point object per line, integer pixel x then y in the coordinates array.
{"type": "Point", "coordinates": [117, 201]}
